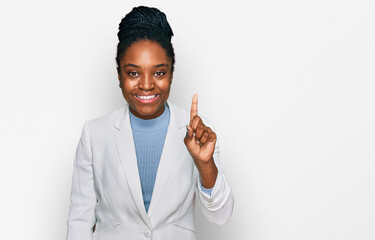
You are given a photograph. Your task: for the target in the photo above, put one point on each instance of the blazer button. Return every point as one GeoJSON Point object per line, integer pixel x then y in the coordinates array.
{"type": "Point", "coordinates": [147, 234]}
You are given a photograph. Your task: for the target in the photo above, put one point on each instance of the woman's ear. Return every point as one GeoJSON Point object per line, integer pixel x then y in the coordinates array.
{"type": "Point", "coordinates": [119, 80]}
{"type": "Point", "coordinates": [171, 77]}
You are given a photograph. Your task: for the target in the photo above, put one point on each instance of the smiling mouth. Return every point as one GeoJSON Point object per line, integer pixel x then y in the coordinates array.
{"type": "Point", "coordinates": [147, 98]}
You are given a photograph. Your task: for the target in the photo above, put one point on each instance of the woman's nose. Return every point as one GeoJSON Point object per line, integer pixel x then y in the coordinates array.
{"type": "Point", "coordinates": [146, 82]}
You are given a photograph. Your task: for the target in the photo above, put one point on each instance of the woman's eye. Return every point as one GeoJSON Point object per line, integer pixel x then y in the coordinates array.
{"type": "Point", "coordinates": [133, 74]}
{"type": "Point", "coordinates": [159, 73]}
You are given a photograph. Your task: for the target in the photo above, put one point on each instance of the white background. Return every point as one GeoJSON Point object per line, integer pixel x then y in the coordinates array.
{"type": "Point", "coordinates": [289, 85]}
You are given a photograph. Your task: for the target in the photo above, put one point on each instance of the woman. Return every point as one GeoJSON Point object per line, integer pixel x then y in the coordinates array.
{"type": "Point", "coordinates": [139, 168]}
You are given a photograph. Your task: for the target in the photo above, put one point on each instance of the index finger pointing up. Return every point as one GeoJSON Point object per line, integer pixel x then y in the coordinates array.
{"type": "Point", "coordinates": [194, 107]}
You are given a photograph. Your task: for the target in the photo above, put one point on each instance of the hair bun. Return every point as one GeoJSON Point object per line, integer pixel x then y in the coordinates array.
{"type": "Point", "coordinates": [145, 19]}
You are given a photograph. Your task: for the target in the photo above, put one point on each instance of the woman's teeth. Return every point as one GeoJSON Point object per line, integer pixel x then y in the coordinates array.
{"type": "Point", "coordinates": [146, 97]}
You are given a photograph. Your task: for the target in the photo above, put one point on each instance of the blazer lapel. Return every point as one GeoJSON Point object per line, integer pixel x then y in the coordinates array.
{"type": "Point", "coordinates": [171, 150]}
{"type": "Point", "coordinates": [126, 151]}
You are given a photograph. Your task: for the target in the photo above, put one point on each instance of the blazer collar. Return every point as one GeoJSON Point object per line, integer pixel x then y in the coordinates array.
{"type": "Point", "coordinates": [126, 151]}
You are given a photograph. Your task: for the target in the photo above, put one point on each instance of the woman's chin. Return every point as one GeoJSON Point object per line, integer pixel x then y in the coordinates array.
{"type": "Point", "coordinates": [147, 113]}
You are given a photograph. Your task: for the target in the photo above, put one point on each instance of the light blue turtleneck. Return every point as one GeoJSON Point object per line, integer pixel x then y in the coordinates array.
{"type": "Point", "coordinates": [149, 136]}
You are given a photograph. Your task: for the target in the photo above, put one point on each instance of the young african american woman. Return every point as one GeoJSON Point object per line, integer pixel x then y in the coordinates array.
{"type": "Point", "coordinates": [138, 170]}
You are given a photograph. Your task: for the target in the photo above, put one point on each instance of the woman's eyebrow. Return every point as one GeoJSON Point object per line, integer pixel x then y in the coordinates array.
{"type": "Point", "coordinates": [136, 66]}
{"type": "Point", "coordinates": [131, 65]}
{"type": "Point", "coordinates": [162, 65]}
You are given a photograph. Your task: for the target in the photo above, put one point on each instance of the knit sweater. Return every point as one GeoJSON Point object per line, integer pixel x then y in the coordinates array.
{"type": "Point", "coordinates": [149, 136]}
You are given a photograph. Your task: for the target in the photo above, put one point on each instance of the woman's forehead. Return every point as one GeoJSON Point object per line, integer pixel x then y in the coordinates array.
{"type": "Point", "coordinates": [145, 52]}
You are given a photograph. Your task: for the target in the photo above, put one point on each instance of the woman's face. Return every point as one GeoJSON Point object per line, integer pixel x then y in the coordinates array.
{"type": "Point", "coordinates": [145, 76]}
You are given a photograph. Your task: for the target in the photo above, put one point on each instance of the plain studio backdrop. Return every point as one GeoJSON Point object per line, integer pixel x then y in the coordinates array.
{"type": "Point", "coordinates": [289, 85]}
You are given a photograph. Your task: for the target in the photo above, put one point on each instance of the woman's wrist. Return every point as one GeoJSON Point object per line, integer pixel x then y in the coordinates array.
{"type": "Point", "coordinates": [207, 172]}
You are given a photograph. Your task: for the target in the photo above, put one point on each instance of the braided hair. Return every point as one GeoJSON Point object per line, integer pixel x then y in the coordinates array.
{"type": "Point", "coordinates": [144, 23]}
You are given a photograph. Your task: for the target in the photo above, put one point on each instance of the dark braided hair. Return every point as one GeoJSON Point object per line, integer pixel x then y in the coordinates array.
{"type": "Point", "coordinates": [144, 23]}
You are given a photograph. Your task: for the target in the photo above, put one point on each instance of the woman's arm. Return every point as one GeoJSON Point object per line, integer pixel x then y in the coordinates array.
{"type": "Point", "coordinates": [218, 207]}
{"type": "Point", "coordinates": [200, 141]}
{"type": "Point", "coordinates": [81, 219]}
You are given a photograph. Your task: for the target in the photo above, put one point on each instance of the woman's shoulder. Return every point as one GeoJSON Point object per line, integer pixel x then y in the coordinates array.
{"type": "Point", "coordinates": [180, 112]}
{"type": "Point", "coordinates": [109, 119]}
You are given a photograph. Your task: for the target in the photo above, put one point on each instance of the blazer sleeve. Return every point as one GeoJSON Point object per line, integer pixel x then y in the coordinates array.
{"type": "Point", "coordinates": [219, 206]}
{"type": "Point", "coordinates": [81, 217]}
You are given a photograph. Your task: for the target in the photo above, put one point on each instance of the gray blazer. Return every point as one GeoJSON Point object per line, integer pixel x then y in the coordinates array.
{"type": "Point", "coordinates": [106, 189]}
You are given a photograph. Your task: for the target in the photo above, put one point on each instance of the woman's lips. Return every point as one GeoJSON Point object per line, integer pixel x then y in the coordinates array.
{"type": "Point", "coordinates": [147, 98]}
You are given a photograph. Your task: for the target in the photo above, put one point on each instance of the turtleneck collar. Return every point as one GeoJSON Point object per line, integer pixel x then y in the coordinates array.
{"type": "Point", "coordinates": [150, 125]}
